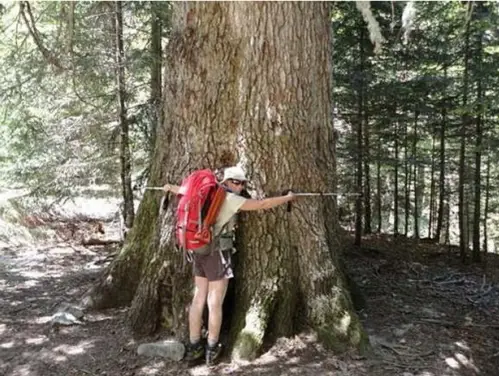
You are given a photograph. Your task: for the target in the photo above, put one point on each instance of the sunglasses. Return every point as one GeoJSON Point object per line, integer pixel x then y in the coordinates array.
{"type": "Point", "coordinates": [236, 182]}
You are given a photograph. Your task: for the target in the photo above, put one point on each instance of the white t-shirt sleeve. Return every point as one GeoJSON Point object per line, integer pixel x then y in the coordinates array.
{"type": "Point", "coordinates": [229, 208]}
{"type": "Point", "coordinates": [234, 201]}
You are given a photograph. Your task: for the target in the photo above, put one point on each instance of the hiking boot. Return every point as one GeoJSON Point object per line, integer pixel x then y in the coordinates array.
{"type": "Point", "coordinates": [213, 353]}
{"type": "Point", "coordinates": [194, 351]}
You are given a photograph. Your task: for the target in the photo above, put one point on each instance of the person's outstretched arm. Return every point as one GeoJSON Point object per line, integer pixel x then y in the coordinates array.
{"type": "Point", "coordinates": [171, 188]}
{"type": "Point", "coordinates": [267, 203]}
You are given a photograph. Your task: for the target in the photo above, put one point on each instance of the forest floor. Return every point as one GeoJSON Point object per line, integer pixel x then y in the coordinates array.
{"type": "Point", "coordinates": [426, 315]}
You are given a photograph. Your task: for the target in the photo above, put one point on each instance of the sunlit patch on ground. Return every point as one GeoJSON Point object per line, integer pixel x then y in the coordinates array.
{"type": "Point", "coordinates": [79, 348]}
{"type": "Point", "coordinates": [7, 345]}
{"type": "Point", "coordinates": [37, 340]}
{"type": "Point", "coordinates": [23, 370]}
{"type": "Point", "coordinates": [155, 368]}
{"type": "Point", "coordinates": [51, 357]}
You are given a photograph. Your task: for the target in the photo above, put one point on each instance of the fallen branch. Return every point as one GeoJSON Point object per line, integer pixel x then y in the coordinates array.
{"type": "Point", "coordinates": [96, 241]}
{"type": "Point", "coordinates": [453, 281]}
{"type": "Point", "coordinates": [106, 259]}
{"type": "Point", "coordinates": [390, 347]}
{"type": "Point", "coordinates": [405, 366]}
{"type": "Point", "coordinates": [395, 349]}
{"type": "Point", "coordinates": [17, 310]}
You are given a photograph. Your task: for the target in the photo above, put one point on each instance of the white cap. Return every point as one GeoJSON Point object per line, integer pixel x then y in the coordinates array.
{"type": "Point", "coordinates": [235, 173]}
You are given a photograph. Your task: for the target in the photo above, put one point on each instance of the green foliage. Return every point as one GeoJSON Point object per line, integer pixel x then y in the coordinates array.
{"type": "Point", "coordinates": [59, 126]}
{"type": "Point", "coordinates": [423, 77]}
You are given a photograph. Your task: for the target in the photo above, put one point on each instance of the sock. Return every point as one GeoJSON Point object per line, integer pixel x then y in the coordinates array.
{"type": "Point", "coordinates": [194, 341]}
{"type": "Point", "coordinates": [212, 342]}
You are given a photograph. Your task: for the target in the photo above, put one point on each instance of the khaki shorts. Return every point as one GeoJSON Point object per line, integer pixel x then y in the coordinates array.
{"type": "Point", "coordinates": [213, 266]}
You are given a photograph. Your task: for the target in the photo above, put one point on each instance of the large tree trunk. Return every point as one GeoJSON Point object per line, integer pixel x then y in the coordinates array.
{"type": "Point", "coordinates": [249, 78]}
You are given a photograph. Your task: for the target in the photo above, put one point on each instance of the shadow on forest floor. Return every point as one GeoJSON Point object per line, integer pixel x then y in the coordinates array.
{"type": "Point", "coordinates": [426, 315]}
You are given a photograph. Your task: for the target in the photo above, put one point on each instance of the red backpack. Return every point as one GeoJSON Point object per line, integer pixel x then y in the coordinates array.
{"type": "Point", "coordinates": [198, 209]}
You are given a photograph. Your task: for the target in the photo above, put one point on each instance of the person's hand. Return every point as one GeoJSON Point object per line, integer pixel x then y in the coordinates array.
{"type": "Point", "coordinates": [166, 188]}
{"type": "Point", "coordinates": [291, 196]}
{"type": "Point", "coordinates": [289, 193]}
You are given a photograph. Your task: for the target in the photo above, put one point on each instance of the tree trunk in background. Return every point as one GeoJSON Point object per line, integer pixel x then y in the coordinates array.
{"type": "Point", "coordinates": [367, 145]}
{"type": "Point", "coordinates": [478, 154]}
{"type": "Point", "coordinates": [156, 66]}
{"type": "Point", "coordinates": [441, 176]}
{"type": "Point", "coordinates": [379, 198]}
{"type": "Point", "coordinates": [447, 218]}
{"type": "Point", "coordinates": [230, 68]}
{"type": "Point", "coordinates": [367, 170]}
{"type": "Point", "coordinates": [486, 206]}
{"type": "Point", "coordinates": [360, 140]}
{"type": "Point", "coordinates": [407, 180]}
{"type": "Point", "coordinates": [463, 182]}
{"type": "Point", "coordinates": [125, 156]}
{"type": "Point", "coordinates": [396, 173]}
{"type": "Point", "coordinates": [117, 286]}
{"type": "Point", "coordinates": [419, 190]}
{"type": "Point", "coordinates": [432, 186]}
{"type": "Point", "coordinates": [418, 175]}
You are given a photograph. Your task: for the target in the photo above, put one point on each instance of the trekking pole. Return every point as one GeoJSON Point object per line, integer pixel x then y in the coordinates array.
{"type": "Point", "coordinates": [306, 194]}
{"type": "Point", "coordinates": [297, 194]}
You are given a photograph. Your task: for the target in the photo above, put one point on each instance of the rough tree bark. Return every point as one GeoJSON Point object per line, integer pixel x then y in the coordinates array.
{"type": "Point", "coordinates": [252, 79]}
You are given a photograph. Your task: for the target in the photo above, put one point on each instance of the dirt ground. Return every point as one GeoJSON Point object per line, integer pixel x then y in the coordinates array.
{"type": "Point", "coordinates": [426, 314]}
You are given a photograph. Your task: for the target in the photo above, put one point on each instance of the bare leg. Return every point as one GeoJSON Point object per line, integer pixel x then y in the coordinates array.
{"type": "Point", "coordinates": [197, 307]}
{"type": "Point", "coordinates": [216, 295]}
